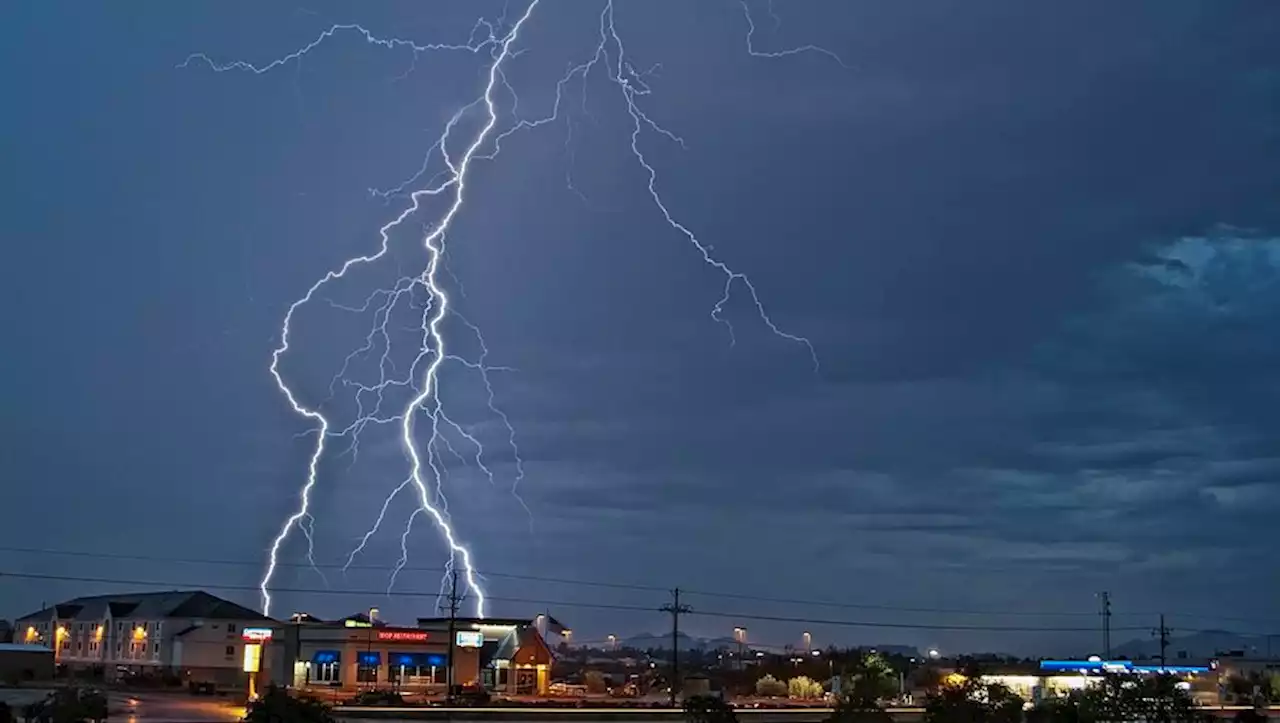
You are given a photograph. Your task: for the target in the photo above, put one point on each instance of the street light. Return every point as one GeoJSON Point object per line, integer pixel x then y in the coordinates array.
{"type": "Point", "coordinates": [613, 642]}
{"type": "Point", "coordinates": [808, 640]}
{"type": "Point", "coordinates": [933, 653]}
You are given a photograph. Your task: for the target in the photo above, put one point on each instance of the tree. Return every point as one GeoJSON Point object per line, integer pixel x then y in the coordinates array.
{"type": "Point", "coordinates": [771, 687]}
{"type": "Point", "coordinates": [970, 701]}
{"type": "Point", "coordinates": [803, 687]}
{"type": "Point", "coordinates": [874, 679]}
{"type": "Point", "coordinates": [855, 709]}
{"type": "Point", "coordinates": [708, 709]}
{"type": "Point", "coordinates": [277, 706]}
{"type": "Point", "coordinates": [1118, 699]}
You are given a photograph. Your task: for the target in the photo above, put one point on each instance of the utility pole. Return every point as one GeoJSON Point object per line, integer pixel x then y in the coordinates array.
{"type": "Point", "coordinates": [1106, 624]}
{"type": "Point", "coordinates": [453, 618]}
{"type": "Point", "coordinates": [1163, 632]}
{"type": "Point", "coordinates": [675, 608]}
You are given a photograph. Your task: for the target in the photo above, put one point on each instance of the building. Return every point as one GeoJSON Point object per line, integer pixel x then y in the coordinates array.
{"type": "Point", "coordinates": [189, 634]}
{"type": "Point", "coordinates": [504, 656]}
{"type": "Point", "coordinates": [23, 663]}
{"type": "Point", "coordinates": [1060, 677]}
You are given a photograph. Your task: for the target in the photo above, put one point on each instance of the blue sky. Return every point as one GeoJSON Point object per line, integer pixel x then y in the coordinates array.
{"type": "Point", "coordinates": [1035, 249]}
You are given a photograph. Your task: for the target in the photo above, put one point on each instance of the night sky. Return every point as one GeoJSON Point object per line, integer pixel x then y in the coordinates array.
{"type": "Point", "coordinates": [1037, 251]}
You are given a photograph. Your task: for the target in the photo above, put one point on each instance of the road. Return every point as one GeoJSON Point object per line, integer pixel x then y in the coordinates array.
{"type": "Point", "coordinates": [146, 707]}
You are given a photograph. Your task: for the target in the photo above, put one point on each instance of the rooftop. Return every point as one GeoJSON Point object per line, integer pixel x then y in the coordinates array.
{"type": "Point", "coordinates": [149, 606]}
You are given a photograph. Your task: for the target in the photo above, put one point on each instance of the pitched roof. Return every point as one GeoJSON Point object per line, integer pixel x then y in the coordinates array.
{"type": "Point", "coordinates": [150, 606]}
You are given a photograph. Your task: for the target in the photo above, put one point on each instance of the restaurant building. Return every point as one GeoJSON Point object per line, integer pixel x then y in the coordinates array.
{"type": "Point", "coordinates": [360, 652]}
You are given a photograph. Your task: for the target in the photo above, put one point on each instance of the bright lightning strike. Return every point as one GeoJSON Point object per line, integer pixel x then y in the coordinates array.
{"type": "Point", "coordinates": [420, 379]}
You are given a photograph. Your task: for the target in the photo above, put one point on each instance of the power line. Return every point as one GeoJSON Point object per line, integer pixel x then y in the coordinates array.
{"type": "Point", "coordinates": [562, 603]}
{"type": "Point", "coordinates": [639, 588]}
{"type": "Point", "coordinates": [902, 626]}
{"type": "Point", "coordinates": [869, 606]}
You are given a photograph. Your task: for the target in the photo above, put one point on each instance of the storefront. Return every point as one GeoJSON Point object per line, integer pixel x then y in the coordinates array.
{"type": "Point", "coordinates": [353, 654]}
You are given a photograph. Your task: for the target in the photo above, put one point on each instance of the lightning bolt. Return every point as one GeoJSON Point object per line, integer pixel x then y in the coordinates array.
{"type": "Point", "coordinates": [420, 379]}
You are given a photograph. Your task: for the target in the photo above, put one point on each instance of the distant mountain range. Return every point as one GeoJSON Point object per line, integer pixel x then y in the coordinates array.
{"type": "Point", "coordinates": [1201, 645]}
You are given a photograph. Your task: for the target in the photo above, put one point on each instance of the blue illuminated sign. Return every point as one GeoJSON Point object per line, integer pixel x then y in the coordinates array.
{"type": "Point", "coordinates": [369, 659]}
{"type": "Point", "coordinates": [326, 656]}
{"type": "Point", "coordinates": [1116, 666]}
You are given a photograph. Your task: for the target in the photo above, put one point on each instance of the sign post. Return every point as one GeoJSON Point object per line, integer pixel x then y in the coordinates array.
{"type": "Point", "coordinates": [254, 639]}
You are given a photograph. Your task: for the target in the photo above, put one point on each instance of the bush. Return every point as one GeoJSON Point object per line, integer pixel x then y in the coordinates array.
{"type": "Point", "coordinates": [770, 687]}
{"type": "Point", "coordinates": [858, 709]}
{"type": "Point", "coordinates": [708, 709]}
{"type": "Point", "coordinates": [378, 697]}
{"type": "Point", "coordinates": [277, 706]}
{"type": "Point", "coordinates": [804, 688]}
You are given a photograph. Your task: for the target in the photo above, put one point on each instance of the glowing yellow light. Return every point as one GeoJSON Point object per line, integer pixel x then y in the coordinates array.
{"type": "Point", "coordinates": [954, 679]}
{"type": "Point", "coordinates": [252, 658]}
{"type": "Point", "coordinates": [97, 633]}
{"type": "Point", "coordinates": [61, 632]}
{"type": "Point", "coordinates": [31, 633]}
{"type": "Point", "coordinates": [139, 633]}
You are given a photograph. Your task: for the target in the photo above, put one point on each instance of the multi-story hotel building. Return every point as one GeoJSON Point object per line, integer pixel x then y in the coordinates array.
{"type": "Point", "coordinates": [190, 634]}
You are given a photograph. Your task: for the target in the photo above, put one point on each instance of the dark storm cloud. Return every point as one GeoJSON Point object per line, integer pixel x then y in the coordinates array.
{"type": "Point", "coordinates": [1034, 247]}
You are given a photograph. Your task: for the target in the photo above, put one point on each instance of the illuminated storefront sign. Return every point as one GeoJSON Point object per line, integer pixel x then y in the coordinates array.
{"type": "Point", "coordinates": [256, 635]}
{"type": "Point", "coordinates": [469, 639]}
{"type": "Point", "coordinates": [252, 658]}
{"type": "Point", "coordinates": [356, 623]}
{"type": "Point", "coordinates": [402, 636]}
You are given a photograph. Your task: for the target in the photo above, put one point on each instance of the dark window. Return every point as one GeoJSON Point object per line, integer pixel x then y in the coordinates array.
{"type": "Point", "coordinates": [231, 650]}
{"type": "Point", "coordinates": [327, 672]}
{"type": "Point", "coordinates": [231, 627]}
{"type": "Point", "coordinates": [156, 649]}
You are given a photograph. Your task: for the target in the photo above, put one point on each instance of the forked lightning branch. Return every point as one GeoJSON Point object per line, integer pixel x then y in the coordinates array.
{"type": "Point", "coordinates": [407, 396]}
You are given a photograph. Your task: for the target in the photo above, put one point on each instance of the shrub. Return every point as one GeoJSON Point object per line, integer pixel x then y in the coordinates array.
{"type": "Point", "coordinates": [378, 697]}
{"type": "Point", "coordinates": [804, 688]}
{"type": "Point", "coordinates": [770, 687]}
{"type": "Point", "coordinates": [708, 709]}
{"type": "Point", "coordinates": [277, 706]}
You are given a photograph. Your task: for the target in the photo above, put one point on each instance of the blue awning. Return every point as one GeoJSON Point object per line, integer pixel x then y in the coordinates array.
{"type": "Point", "coordinates": [369, 658]}
{"type": "Point", "coordinates": [326, 656]}
{"type": "Point", "coordinates": [417, 660]}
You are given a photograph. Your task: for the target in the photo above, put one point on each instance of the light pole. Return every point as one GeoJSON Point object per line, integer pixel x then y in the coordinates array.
{"type": "Point", "coordinates": [613, 642]}
{"type": "Point", "coordinates": [808, 642]}
{"type": "Point", "coordinates": [740, 635]}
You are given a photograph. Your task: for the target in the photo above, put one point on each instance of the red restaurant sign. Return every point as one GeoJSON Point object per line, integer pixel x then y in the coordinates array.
{"type": "Point", "coordinates": [416, 636]}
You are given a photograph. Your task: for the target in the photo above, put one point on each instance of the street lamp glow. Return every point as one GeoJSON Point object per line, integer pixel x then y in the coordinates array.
{"type": "Point", "coordinates": [933, 653]}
